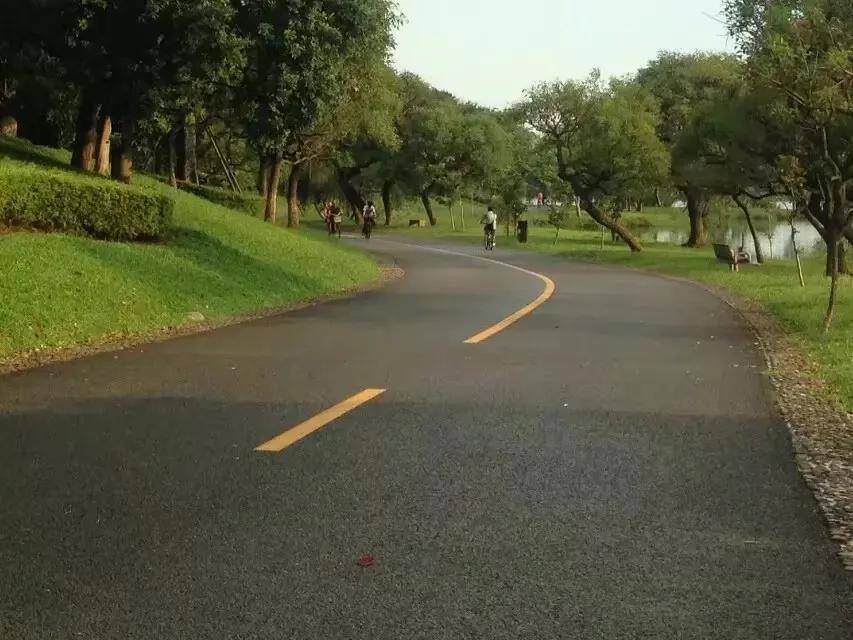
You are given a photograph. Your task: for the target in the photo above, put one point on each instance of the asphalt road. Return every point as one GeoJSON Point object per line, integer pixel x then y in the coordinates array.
{"type": "Point", "coordinates": [611, 466]}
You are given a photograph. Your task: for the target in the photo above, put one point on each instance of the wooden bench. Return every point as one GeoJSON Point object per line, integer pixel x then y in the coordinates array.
{"type": "Point", "coordinates": [733, 258]}
{"type": "Point", "coordinates": [416, 223]}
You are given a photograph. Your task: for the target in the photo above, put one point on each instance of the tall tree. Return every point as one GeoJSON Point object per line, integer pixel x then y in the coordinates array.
{"type": "Point", "coordinates": [684, 85]}
{"type": "Point", "coordinates": [126, 55]}
{"type": "Point", "coordinates": [363, 134]}
{"type": "Point", "coordinates": [732, 148]}
{"type": "Point", "coordinates": [299, 55]}
{"type": "Point", "coordinates": [604, 140]}
{"type": "Point", "coordinates": [428, 134]}
{"type": "Point", "coordinates": [803, 51]}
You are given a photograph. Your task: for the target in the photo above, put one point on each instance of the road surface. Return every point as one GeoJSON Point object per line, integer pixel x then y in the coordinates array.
{"type": "Point", "coordinates": [609, 466]}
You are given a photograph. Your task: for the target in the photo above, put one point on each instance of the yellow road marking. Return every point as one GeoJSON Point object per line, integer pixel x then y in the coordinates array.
{"type": "Point", "coordinates": [295, 434]}
{"type": "Point", "coordinates": [550, 287]}
{"type": "Point", "coordinates": [484, 335]}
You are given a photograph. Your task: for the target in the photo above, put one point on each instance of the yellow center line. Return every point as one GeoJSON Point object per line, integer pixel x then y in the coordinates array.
{"type": "Point", "coordinates": [484, 335]}
{"type": "Point", "coordinates": [550, 287]}
{"type": "Point", "coordinates": [295, 434]}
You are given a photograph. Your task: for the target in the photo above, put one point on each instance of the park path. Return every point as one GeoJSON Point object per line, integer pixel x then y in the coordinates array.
{"type": "Point", "coordinates": [608, 466]}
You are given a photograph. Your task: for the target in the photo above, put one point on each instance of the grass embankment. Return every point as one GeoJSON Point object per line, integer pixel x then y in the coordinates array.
{"type": "Point", "coordinates": [60, 291]}
{"type": "Point", "coordinates": [774, 286]}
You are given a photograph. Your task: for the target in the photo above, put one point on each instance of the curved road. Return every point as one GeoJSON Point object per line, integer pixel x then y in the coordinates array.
{"type": "Point", "coordinates": [610, 466]}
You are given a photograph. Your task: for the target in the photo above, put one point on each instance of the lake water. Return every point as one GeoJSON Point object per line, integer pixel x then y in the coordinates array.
{"type": "Point", "coordinates": [774, 236]}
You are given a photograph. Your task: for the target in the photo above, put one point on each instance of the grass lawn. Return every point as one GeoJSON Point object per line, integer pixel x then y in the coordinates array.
{"type": "Point", "coordinates": [774, 285]}
{"type": "Point", "coordinates": [62, 290]}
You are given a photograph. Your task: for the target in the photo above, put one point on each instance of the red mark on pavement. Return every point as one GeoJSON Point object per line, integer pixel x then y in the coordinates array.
{"type": "Point", "coordinates": [366, 561]}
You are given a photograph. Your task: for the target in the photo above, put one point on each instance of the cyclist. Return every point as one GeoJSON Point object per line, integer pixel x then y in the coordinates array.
{"type": "Point", "coordinates": [490, 223]}
{"type": "Point", "coordinates": [369, 215]}
{"type": "Point", "coordinates": [331, 214]}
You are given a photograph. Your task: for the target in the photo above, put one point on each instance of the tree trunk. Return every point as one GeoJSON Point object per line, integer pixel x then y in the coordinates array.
{"type": "Point", "coordinates": [595, 213]}
{"type": "Point", "coordinates": [294, 209]}
{"type": "Point", "coordinates": [192, 156]}
{"type": "Point", "coordinates": [353, 197]}
{"type": "Point", "coordinates": [186, 151]}
{"type": "Point", "coordinates": [797, 253]}
{"type": "Point", "coordinates": [697, 210]}
{"type": "Point", "coordinates": [759, 255]}
{"type": "Point", "coordinates": [833, 261]}
{"type": "Point", "coordinates": [173, 158]}
{"type": "Point", "coordinates": [271, 200]}
{"type": "Point", "coordinates": [86, 135]}
{"type": "Point", "coordinates": [122, 152]}
{"type": "Point", "coordinates": [614, 226]}
{"type": "Point", "coordinates": [8, 125]}
{"type": "Point", "coordinates": [386, 201]}
{"type": "Point", "coordinates": [658, 201]}
{"type": "Point", "coordinates": [639, 206]}
{"type": "Point", "coordinates": [105, 132]}
{"type": "Point", "coordinates": [263, 177]}
{"type": "Point", "coordinates": [428, 207]}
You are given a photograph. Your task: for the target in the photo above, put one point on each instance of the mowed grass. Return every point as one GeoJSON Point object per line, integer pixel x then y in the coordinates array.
{"type": "Point", "coordinates": [775, 285]}
{"type": "Point", "coordinates": [62, 290]}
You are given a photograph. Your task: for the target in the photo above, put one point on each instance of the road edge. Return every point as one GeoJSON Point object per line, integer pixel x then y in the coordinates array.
{"type": "Point", "coordinates": [816, 424]}
{"type": "Point", "coordinates": [389, 272]}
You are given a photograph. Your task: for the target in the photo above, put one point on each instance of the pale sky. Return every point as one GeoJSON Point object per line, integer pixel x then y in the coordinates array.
{"type": "Point", "coordinates": [491, 51]}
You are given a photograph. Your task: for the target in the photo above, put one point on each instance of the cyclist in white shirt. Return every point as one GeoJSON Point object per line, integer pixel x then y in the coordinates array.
{"type": "Point", "coordinates": [490, 225]}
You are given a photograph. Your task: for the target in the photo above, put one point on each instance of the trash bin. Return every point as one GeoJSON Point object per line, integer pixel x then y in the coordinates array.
{"type": "Point", "coordinates": [521, 231]}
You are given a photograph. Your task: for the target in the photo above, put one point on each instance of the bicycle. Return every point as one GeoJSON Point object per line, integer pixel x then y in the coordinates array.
{"type": "Point", "coordinates": [489, 240]}
{"type": "Point", "coordinates": [367, 229]}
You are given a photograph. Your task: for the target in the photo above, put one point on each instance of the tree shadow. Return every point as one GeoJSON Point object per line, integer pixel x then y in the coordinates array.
{"type": "Point", "coordinates": [219, 271]}
{"type": "Point", "coordinates": [18, 149]}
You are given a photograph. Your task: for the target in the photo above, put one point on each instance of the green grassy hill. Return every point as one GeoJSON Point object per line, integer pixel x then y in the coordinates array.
{"type": "Point", "coordinates": [61, 290]}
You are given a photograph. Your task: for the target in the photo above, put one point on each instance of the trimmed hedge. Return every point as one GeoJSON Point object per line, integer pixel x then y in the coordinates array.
{"type": "Point", "coordinates": [248, 203]}
{"type": "Point", "coordinates": [51, 200]}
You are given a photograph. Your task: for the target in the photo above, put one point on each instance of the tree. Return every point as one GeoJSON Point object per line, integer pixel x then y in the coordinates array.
{"type": "Point", "coordinates": [684, 85]}
{"type": "Point", "coordinates": [125, 55]}
{"type": "Point", "coordinates": [731, 148]}
{"type": "Point", "coordinates": [205, 59]}
{"type": "Point", "coordinates": [558, 217]}
{"type": "Point", "coordinates": [479, 155]}
{"type": "Point", "coordinates": [604, 140]}
{"type": "Point", "coordinates": [428, 135]}
{"type": "Point", "coordinates": [364, 135]}
{"type": "Point", "coordinates": [802, 51]}
{"type": "Point", "coordinates": [299, 55]}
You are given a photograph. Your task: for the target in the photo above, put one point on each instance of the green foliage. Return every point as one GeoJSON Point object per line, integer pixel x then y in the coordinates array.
{"type": "Point", "coordinates": [559, 217]}
{"type": "Point", "coordinates": [605, 138]}
{"type": "Point", "coordinates": [300, 55]}
{"type": "Point", "coordinates": [732, 147]}
{"type": "Point", "coordinates": [684, 83]}
{"type": "Point", "coordinates": [428, 131]}
{"type": "Point", "coordinates": [802, 51]}
{"type": "Point", "coordinates": [36, 197]}
{"type": "Point", "coordinates": [202, 55]}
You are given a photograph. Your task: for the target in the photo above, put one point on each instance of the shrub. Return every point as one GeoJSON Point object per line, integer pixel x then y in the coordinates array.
{"type": "Point", "coordinates": [248, 203]}
{"type": "Point", "coordinates": [56, 200]}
